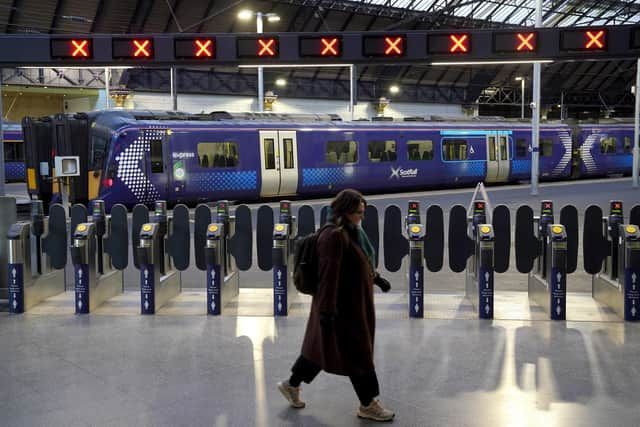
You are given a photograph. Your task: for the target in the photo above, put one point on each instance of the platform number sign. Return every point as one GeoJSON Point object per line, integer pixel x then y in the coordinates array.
{"type": "Point", "coordinates": [257, 47]}
{"type": "Point", "coordinates": [515, 42]}
{"type": "Point", "coordinates": [71, 48]}
{"type": "Point", "coordinates": [383, 45]}
{"type": "Point", "coordinates": [194, 48]}
{"type": "Point", "coordinates": [454, 43]}
{"type": "Point", "coordinates": [589, 39]}
{"type": "Point", "coordinates": [132, 48]}
{"type": "Point", "coordinates": [320, 47]}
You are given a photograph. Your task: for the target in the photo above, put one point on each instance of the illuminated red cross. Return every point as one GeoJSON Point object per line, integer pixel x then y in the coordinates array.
{"type": "Point", "coordinates": [329, 47]}
{"type": "Point", "coordinates": [394, 46]}
{"type": "Point", "coordinates": [596, 40]}
{"type": "Point", "coordinates": [142, 46]}
{"type": "Point", "coordinates": [204, 47]}
{"type": "Point", "coordinates": [266, 47]}
{"type": "Point", "coordinates": [459, 43]}
{"type": "Point", "coordinates": [525, 41]}
{"type": "Point", "coordinates": [80, 48]}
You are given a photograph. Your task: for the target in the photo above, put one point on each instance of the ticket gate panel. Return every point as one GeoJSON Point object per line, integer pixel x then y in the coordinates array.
{"type": "Point", "coordinates": [117, 243]}
{"type": "Point", "coordinates": [202, 220]}
{"type": "Point", "coordinates": [461, 247]}
{"type": "Point", "coordinates": [241, 244]}
{"type": "Point", "coordinates": [434, 238]}
{"type": "Point", "coordinates": [595, 246]}
{"type": "Point", "coordinates": [78, 216]}
{"type": "Point", "coordinates": [179, 240]}
{"type": "Point", "coordinates": [306, 221]}
{"type": "Point", "coordinates": [527, 244]}
{"type": "Point", "coordinates": [370, 225]}
{"type": "Point", "coordinates": [264, 237]}
{"type": "Point", "coordinates": [396, 245]}
{"type": "Point", "coordinates": [139, 216]}
{"type": "Point", "coordinates": [634, 216]}
{"type": "Point", "coordinates": [501, 222]}
{"type": "Point", "coordinates": [569, 218]}
{"type": "Point", "coordinates": [324, 215]}
{"type": "Point", "coordinates": [55, 241]}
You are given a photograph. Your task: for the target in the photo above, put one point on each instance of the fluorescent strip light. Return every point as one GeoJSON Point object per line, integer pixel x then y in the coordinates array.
{"type": "Point", "coordinates": [84, 67]}
{"type": "Point", "coordinates": [541, 61]}
{"type": "Point", "coordinates": [295, 66]}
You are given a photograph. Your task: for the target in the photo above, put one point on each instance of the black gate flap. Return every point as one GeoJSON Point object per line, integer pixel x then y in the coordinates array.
{"type": "Point", "coordinates": [371, 227]}
{"type": "Point", "coordinates": [242, 241]}
{"type": "Point", "coordinates": [595, 245]}
{"type": "Point", "coordinates": [117, 244]}
{"type": "Point", "coordinates": [78, 216]}
{"type": "Point", "coordinates": [202, 221]}
{"type": "Point", "coordinates": [569, 218]}
{"type": "Point", "coordinates": [324, 214]}
{"type": "Point", "coordinates": [634, 217]}
{"type": "Point", "coordinates": [180, 238]}
{"type": "Point", "coordinates": [55, 242]}
{"type": "Point", "coordinates": [461, 246]}
{"type": "Point", "coordinates": [306, 221]}
{"type": "Point", "coordinates": [527, 247]}
{"type": "Point", "coordinates": [434, 238]}
{"type": "Point", "coordinates": [502, 232]}
{"type": "Point", "coordinates": [264, 237]}
{"type": "Point", "coordinates": [139, 216]}
{"type": "Point", "coordinates": [395, 244]}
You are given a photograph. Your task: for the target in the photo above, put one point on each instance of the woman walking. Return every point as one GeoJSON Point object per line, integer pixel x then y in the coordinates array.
{"type": "Point", "coordinates": [341, 327]}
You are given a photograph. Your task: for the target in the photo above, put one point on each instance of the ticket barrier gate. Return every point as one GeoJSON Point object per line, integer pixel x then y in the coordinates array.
{"type": "Point", "coordinates": [223, 245]}
{"type": "Point", "coordinates": [611, 250]}
{"type": "Point", "coordinates": [161, 252]}
{"type": "Point", "coordinates": [421, 241]}
{"type": "Point", "coordinates": [37, 257]}
{"type": "Point", "coordinates": [547, 254]}
{"type": "Point", "coordinates": [99, 253]}
{"type": "Point", "coordinates": [480, 248]}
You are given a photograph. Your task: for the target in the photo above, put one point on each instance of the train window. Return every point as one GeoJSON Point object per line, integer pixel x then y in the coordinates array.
{"type": "Point", "coordinates": [269, 153]}
{"type": "Point", "coordinates": [420, 150]}
{"type": "Point", "coordinates": [288, 153]}
{"type": "Point", "coordinates": [503, 148]}
{"type": "Point", "coordinates": [219, 154]}
{"type": "Point", "coordinates": [627, 145]}
{"type": "Point", "coordinates": [454, 149]}
{"type": "Point", "coordinates": [546, 147]}
{"type": "Point", "coordinates": [608, 145]}
{"type": "Point", "coordinates": [157, 162]}
{"type": "Point", "coordinates": [521, 147]}
{"type": "Point", "coordinates": [492, 148]}
{"type": "Point", "coordinates": [98, 151]}
{"type": "Point", "coordinates": [382, 151]}
{"type": "Point", "coordinates": [340, 152]}
{"type": "Point", "coordinates": [11, 151]}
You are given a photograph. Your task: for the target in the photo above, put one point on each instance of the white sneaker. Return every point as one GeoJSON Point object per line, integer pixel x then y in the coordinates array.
{"type": "Point", "coordinates": [292, 394]}
{"type": "Point", "coordinates": [375, 412]}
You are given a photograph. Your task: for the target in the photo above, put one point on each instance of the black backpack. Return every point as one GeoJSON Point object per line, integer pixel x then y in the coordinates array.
{"type": "Point", "coordinates": [305, 262]}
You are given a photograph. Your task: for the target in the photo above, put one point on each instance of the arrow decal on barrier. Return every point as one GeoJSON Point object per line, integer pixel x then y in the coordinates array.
{"type": "Point", "coordinates": [13, 272]}
{"type": "Point", "coordinates": [487, 309]}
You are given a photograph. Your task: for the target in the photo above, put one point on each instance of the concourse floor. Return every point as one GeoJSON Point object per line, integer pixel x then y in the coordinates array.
{"type": "Point", "coordinates": [182, 368]}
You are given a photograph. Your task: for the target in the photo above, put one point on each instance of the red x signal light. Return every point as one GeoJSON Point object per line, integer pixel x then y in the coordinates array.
{"type": "Point", "coordinates": [527, 42]}
{"type": "Point", "coordinates": [142, 48]}
{"type": "Point", "coordinates": [204, 48]}
{"type": "Point", "coordinates": [460, 43]}
{"type": "Point", "coordinates": [81, 48]}
{"type": "Point", "coordinates": [393, 46]}
{"type": "Point", "coordinates": [267, 47]}
{"type": "Point", "coordinates": [330, 46]}
{"type": "Point", "coordinates": [595, 40]}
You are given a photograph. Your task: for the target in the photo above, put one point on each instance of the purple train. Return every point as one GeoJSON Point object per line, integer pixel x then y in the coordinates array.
{"type": "Point", "coordinates": [135, 157]}
{"type": "Point", "coordinates": [14, 169]}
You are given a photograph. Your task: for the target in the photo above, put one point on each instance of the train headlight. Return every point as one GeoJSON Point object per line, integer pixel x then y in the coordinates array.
{"type": "Point", "coordinates": [179, 174]}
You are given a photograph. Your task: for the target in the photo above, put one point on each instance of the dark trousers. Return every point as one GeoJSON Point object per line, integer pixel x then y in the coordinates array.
{"type": "Point", "coordinates": [366, 386]}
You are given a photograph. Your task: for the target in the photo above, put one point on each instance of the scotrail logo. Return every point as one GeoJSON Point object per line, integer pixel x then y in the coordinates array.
{"type": "Point", "coordinates": [403, 173]}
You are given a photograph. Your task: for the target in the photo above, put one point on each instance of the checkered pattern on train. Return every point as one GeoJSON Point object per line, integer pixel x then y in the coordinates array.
{"type": "Point", "coordinates": [520, 167]}
{"type": "Point", "coordinates": [226, 181]}
{"type": "Point", "coordinates": [14, 170]}
{"type": "Point", "coordinates": [322, 176]}
{"type": "Point", "coordinates": [130, 166]}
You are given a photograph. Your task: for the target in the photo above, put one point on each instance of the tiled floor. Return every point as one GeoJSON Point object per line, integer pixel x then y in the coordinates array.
{"type": "Point", "coordinates": [182, 368]}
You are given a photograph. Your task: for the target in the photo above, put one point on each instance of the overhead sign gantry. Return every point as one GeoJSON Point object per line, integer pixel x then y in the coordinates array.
{"type": "Point", "coordinates": [530, 44]}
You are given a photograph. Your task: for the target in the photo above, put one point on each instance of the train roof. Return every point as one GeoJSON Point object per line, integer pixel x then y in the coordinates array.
{"type": "Point", "coordinates": [115, 119]}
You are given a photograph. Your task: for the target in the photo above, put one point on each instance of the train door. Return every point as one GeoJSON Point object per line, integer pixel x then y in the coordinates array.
{"type": "Point", "coordinates": [156, 168]}
{"type": "Point", "coordinates": [279, 157]}
{"type": "Point", "coordinates": [497, 156]}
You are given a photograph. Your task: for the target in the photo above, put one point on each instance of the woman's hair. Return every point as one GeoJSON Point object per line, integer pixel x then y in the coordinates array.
{"type": "Point", "coordinates": [346, 202]}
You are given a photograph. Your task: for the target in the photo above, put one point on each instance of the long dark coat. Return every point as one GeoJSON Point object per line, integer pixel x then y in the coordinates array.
{"type": "Point", "coordinates": [346, 291]}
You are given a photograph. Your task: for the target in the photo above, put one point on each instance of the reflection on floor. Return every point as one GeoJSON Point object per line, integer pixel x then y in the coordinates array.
{"type": "Point", "coordinates": [117, 368]}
